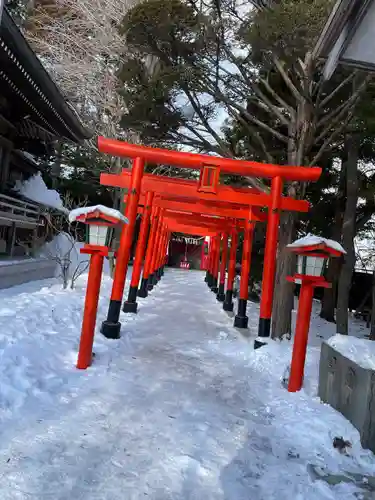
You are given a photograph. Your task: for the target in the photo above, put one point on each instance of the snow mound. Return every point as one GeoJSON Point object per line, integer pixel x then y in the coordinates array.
{"type": "Point", "coordinates": [312, 239]}
{"type": "Point", "coordinates": [111, 212]}
{"type": "Point", "coordinates": [35, 189]}
{"type": "Point", "coordinates": [64, 247]}
{"type": "Point", "coordinates": [361, 351]}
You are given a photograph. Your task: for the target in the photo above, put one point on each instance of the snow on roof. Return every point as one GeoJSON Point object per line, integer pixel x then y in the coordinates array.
{"type": "Point", "coordinates": [35, 189]}
{"type": "Point", "coordinates": [28, 155]}
{"type": "Point", "coordinates": [111, 212]}
{"type": "Point", "coordinates": [361, 351]}
{"type": "Point", "coordinates": [365, 252]}
{"type": "Point", "coordinates": [312, 239]}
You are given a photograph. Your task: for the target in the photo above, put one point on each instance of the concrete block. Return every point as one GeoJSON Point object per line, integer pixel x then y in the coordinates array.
{"type": "Point", "coordinates": [15, 272]}
{"type": "Point", "coordinates": [347, 382]}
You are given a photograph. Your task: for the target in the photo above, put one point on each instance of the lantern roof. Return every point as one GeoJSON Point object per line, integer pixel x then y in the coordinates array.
{"type": "Point", "coordinates": [317, 244]}
{"type": "Point", "coordinates": [84, 214]}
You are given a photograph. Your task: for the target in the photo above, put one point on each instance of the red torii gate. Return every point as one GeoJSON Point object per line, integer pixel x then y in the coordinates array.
{"type": "Point", "coordinates": [211, 276]}
{"type": "Point", "coordinates": [206, 190]}
{"type": "Point", "coordinates": [188, 223]}
{"type": "Point", "coordinates": [216, 208]}
{"type": "Point", "coordinates": [182, 197]}
{"type": "Point", "coordinates": [150, 277]}
{"type": "Point", "coordinates": [241, 319]}
{"type": "Point", "coordinates": [182, 222]}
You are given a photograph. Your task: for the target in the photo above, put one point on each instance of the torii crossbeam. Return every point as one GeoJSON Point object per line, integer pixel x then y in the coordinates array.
{"type": "Point", "coordinates": [168, 186]}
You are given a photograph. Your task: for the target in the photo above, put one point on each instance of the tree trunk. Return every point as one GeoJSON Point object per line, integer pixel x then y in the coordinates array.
{"type": "Point", "coordinates": [333, 272]}
{"type": "Point", "coordinates": [284, 296]}
{"type": "Point", "coordinates": [299, 135]}
{"type": "Point", "coordinates": [327, 311]}
{"type": "Point", "coordinates": [372, 332]}
{"type": "Point", "coordinates": [284, 291]}
{"type": "Point", "coordinates": [348, 234]}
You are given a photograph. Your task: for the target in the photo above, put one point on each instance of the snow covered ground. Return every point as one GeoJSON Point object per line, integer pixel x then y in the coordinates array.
{"type": "Point", "coordinates": [181, 407]}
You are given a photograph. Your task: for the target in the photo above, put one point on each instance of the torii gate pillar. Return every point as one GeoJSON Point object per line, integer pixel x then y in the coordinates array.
{"type": "Point", "coordinates": [269, 265]}
{"type": "Point", "coordinates": [111, 326]}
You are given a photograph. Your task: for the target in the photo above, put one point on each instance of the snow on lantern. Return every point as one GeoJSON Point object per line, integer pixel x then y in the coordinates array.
{"type": "Point", "coordinates": [101, 222]}
{"type": "Point", "coordinates": [313, 252]}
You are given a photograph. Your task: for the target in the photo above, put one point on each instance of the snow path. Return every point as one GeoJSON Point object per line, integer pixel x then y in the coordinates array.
{"type": "Point", "coordinates": [179, 408]}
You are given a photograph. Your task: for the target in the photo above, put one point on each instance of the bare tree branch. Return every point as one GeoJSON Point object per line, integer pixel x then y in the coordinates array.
{"type": "Point", "coordinates": [266, 105]}
{"type": "Point", "coordinates": [345, 106]}
{"type": "Point", "coordinates": [325, 146]}
{"type": "Point", "coordinates": [293, 89]}
{"type": "Point", "coordinates": [350, 104]}
{"type": "Point", "coordinates": [256, 134]}
{"type": "Point", "coordinates": [263, 101]}
{"type": "Point", "coordinates": [329, 97]}
{"type": "Point", "coordinates": [276, 96]}
{"type": "Point", "coordinates": [79, 43]}
{"type": "Point", "coordinates": [230, 103]}
{"type": "Point", "coordinates": [204, 120]}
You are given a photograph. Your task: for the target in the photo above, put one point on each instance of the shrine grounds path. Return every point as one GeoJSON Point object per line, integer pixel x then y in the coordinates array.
{"type": "Point", "coordinates": [181, 407]}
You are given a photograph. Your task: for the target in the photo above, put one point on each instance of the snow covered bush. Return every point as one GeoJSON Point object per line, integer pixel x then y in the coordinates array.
{"type": "Point", "coordinates": [64, 250]}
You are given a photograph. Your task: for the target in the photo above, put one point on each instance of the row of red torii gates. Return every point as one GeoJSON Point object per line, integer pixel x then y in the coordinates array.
{"type": "Point", "coordinates": [204, 207]}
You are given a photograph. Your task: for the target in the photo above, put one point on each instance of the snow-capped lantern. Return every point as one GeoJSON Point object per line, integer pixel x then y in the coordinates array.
{"type": "Point", "coordinates": [101, 222]}
{"type": "Point", "coordinates": [313, 253]}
